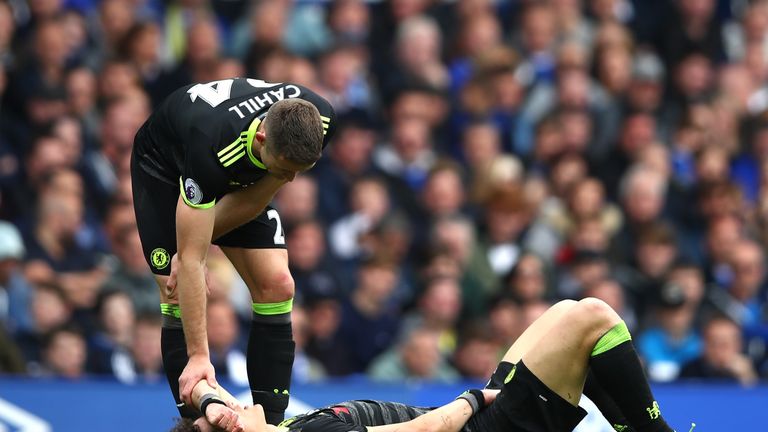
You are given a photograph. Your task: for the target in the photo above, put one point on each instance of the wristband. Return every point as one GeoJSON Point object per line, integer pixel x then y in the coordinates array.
{"type": "Point", "coordinates": [207, 399]}
{"type": "Point", "coordinates": [475, 398]}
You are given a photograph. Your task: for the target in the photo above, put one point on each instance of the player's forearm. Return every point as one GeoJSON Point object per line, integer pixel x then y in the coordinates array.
{"type": "Point", "coordinates": [192, 303]}
{"type": "Point", "coordinates": [244, 205]}
{"type": "Point", "coordinates": [448, 418]}
{"type": "Point", "coordinates": [202, 388]}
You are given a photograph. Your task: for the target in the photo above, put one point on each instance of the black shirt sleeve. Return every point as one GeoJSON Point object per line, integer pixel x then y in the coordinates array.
{"type": "Point", "coordinates": [202, 180]}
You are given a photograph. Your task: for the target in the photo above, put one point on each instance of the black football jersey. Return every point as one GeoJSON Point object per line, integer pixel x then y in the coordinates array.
{"type": "Point", "coordinates": [201, 136]}
{"type": "Point", "coordinates": [353, 416]}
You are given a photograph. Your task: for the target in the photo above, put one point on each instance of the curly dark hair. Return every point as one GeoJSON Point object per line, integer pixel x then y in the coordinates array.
{"type": "Point", "coordinates": [185, 425]}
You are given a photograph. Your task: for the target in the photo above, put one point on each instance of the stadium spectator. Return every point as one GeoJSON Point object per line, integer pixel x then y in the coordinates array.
{"type": "Point", "coordinates": [456, 237]}
{"type": "Point", "coordinates": [507, 215]}
{"type": "Point", "coordinates": [146, 363]}
{"type": "Point", "coordinates": [109, 344]}
{"type": "Point", "coordinates": [655, 253]}
{"type": "Point", "coordinates": [311, 266]}
{"type": "Point", "coordinates": [477, 353]}
{"type": "Point", "coordinates": [409, 156]}
{"type": "Point", "coordinates": [64, 354]}
{"type": "Point", "coordinates": [342, 79]}
{"type": "Point", "coordinates": [443, 194]}
{"type": "Point", "coordinates": [55, 252]}
{"type": "Point", "coordinates": [722, 235]}
{"type": "Point", "coordinates": [115, 19]}
{"type": "Point", "coordinates": [722, 357]}
{"type": "Point", "coordinates": [326, 343]}
{"type": "Point", "coordinates": [673, 342]}
{"type": "Point", "coordinates": [643, 193]}
{"type": "Point", "coordinates": [528, 282]}
{"type": "Point", "coordinates": [739, 299]}
{"type": "Point", "coordinates": [418, 357]}
{"type": "Point", "coordinates": [480, 145]}
{"type": "Point", "coordinates": [349, 21]}
{"type": "Point", "coordinates": [439, 308]}
{"type": "Point", "coordinates": [305, 368]}
{"type": "Point", "coordinates": [558, 220]}
{"type": "Point", "coordinates": [584, 268]}
{"type": "Point", "coordinates": [203, 49]}
{"type": "Point", "coordinates": [297, 200]}
{"type": "Point", "coordinates": [369, 322]}
{"type": "Point", "coordinates": [369, 203]}
{"type": "Point", "coordinates": [49, 309]}
{"type": "Point", "coordinates": [417, 48]}
{"type": "Point", "coordinates": [15, 291]}
{"type": "Point", "coordinates": [505, 319]}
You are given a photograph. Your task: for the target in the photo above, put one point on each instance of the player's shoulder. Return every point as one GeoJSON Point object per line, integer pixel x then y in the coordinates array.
{"type": "Point", "coordinates": [320, 102]}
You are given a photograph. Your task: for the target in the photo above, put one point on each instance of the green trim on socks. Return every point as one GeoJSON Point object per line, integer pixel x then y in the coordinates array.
{"type": "Point", "coordinates": [170, 310]}
{"type": "Point", "coordinates": [278, 308]}
{"type": "Point", "coordinates": [614, 337]}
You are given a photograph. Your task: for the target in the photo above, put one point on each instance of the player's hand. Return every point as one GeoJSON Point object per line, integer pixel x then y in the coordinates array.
{"type": "Point", "coordinates": [198, 368]}
{"type": "Point", "coordinates": [170, 283]}
{"type": "Point", "coordinates": [490, 395]}
{"type": "Point", "coordinates": [223, 417]}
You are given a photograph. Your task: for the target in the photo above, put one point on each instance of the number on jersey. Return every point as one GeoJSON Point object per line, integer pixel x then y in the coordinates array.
{"type": "Point", "coordinates": [214, 92]}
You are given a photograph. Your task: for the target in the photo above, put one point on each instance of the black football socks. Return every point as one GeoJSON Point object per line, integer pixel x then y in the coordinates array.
{"type": "Point", "coordinates": [174, 350]}
{"type": "Point", "coordinates": [606, 405]}
{"type": "Point", "coordinates": [616, 366]}
{"type": "Point", "coordinates": [270, 358]}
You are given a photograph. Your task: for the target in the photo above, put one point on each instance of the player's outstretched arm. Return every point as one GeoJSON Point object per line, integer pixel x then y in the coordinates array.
{"type": "Point", "coordinates": [448, 418]}
{"type": "Point", "coordinates": [193, 233]}
{"type": "Point", "coordinates": [239, 207]}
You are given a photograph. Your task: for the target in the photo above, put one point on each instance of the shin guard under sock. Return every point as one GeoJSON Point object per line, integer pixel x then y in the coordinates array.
{"type": "Point", "coordinates": [174, 350]}
{"type": "Point", "coordinates": [616, 366]}
{"type": "Point", "coordinates": [270, 358]}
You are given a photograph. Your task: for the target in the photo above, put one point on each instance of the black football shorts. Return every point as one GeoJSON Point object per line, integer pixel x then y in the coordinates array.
{"type": "Point", "coordinates": [154, 202]}
{"type": "Point", "coordinates": [525, 404]}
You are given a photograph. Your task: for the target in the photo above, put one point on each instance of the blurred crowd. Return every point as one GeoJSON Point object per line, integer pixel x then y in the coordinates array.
{"type": "Point", "coordinates": [491, 158]}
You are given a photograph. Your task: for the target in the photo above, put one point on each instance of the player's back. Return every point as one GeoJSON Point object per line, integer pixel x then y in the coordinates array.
{"type": "Point", "coordinates": [204, 117]}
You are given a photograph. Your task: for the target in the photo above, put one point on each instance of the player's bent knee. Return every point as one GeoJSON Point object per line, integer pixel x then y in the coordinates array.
{"type": "Point", "coordinates": [564, 305]}
{"type": "Point", "coordinates": [597, 311]}
{"type": "Point", "coordinates": [278, 286]}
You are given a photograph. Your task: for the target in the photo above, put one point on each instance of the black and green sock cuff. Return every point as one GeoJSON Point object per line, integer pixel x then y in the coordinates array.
{"type": "Point", "coordinates": [171, 315]}
{"type": "Point", "coordinates": [273, 313]}
{"type": "Point", "coordinates": [616, 336]}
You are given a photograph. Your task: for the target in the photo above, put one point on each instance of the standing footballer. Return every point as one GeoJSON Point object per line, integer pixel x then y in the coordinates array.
{"type": "Point", "coordinates": [204, 169]}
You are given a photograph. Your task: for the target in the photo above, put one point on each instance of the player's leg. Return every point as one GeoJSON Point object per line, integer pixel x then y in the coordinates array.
{"type": "Point", "coordinates": [270, 344]}
{"type": "Point", "coordinates": [531, 336]}
{"type": "Point", "coordinates": [155, 208]}
{"type": "Point", "coordinates": [591, 334]}
{"type": "Point", "coordinates": [257, 250]}
{"type": "Point", "coordinates": [541, 326]}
